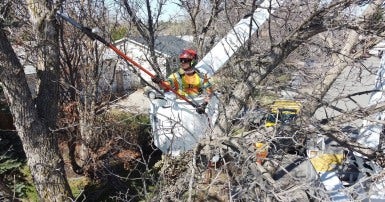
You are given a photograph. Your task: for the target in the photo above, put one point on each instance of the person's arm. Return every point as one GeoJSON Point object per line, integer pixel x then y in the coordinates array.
{"type": "Point", "coordinates": [164, 84]}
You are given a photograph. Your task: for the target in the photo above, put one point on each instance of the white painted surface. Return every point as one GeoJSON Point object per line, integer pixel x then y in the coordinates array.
{"type": "Point", "coordinates": [333, 186]}
{"type": "Point", "coordinates": [176, 126]}
{"type": "Point", "coordinates": [226, 47]}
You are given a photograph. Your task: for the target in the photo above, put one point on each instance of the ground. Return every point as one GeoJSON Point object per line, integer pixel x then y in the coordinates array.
{"type": "Point", "coordinates": [136, 102]}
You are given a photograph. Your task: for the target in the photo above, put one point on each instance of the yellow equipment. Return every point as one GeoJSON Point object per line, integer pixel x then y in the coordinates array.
{"type": "Point", "coordinates": [283, 111]}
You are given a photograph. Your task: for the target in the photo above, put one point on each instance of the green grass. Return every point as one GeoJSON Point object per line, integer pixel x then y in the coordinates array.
{"type": "Point", "coordinates": [31, 193]}
{"type": "Point", "coordinates": [77, 185]}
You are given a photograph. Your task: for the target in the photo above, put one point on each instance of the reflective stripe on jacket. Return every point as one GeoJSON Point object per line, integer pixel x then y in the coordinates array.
{"type": "Point", "coordinates": [191, 85]}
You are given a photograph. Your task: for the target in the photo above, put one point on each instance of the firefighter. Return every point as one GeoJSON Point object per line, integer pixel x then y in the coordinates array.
{"type": "Point", "coordinates": [188, 81]}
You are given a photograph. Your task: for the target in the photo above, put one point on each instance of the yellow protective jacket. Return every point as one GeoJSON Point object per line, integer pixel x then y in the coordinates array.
{"type": "Point", "coordinates": [189, 85]}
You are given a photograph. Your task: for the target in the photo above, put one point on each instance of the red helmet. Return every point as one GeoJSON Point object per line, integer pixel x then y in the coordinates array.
{"type": "Point", "coordinates": [188, 54]}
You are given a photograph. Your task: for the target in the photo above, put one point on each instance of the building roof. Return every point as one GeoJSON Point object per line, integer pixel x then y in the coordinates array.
{"type": "Point", "coordinates": [170, 45]}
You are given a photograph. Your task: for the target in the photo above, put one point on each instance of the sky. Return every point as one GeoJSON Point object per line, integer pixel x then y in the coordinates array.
{"type": "Point", "coordinates": [171, 11]}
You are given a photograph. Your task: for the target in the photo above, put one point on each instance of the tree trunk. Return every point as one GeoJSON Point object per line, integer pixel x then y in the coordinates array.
{"type": "Point", "coordinates": [87, 108]}
{"type": "Point", "coordinates": [34, 120]}
{"type": "Point", "coordinates": [48, 59]}
{"type": "Point", "coordinates": [236, 101]}
{"type": "Point", "coordinates": [39, 144]}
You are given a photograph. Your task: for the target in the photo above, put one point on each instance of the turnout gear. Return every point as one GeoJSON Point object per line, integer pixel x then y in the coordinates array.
{"type": "Point", "coordinates": [189, 84]}
{"type": "Point", "coordinates": [188, 81]}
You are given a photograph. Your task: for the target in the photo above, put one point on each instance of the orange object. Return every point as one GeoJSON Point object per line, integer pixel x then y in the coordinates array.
{"type": "Point", "coordinates": [261, 151]}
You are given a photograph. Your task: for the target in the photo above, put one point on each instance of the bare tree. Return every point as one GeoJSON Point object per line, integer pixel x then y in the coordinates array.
{"type": "Point", "coordinates": [274, 57]}
{"type": "Point", "coordinates": [35, 120]}
{"type": "Point", "coordinates": [202, 15]}
{"type": "Point", "coordinates": [315, 40]}
{"type": "Point", "coordinates": [83, 71]}
{"type": "Point", "coordinates": [145, 16]}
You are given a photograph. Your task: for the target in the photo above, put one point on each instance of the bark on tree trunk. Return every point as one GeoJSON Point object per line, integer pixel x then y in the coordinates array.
{"type": "Point", "coordinates": [236, 101]}
{"type": "Point", "coordinates": [87, 108]}
{"type": "Point", "coordinates": [45, 162]}
{"type": "Point", "coordinates": [40, 145]}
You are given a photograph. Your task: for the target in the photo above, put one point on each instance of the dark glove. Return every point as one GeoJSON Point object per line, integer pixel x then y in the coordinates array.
{"type": "Point", "coordinates": [201, 108]}
{"type": "Point", "coordinates": [156, 79]}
